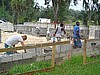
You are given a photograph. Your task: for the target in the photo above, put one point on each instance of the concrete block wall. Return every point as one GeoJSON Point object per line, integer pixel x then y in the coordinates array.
{"type": "Point", "coordinates": [40, 58]}
{"type": "Point", "coordinates": [39, 51]}
{"type": "Point", "coordinates": [58, 48]}
{"type": "Point", "coordinates": [63, 48]}
{"type": "Point", "coordinates": [63, 54]}
{"type": "Point", "coordinates": [43, 31]}
{"type": "Point", "coordinates": [5, 58]}
{"type": "Point", "coordinates": [27, 55]}
{"type": "Point", "coordinates": [17, 56]}
{"type": "Point", "coordinates": [61, 51]}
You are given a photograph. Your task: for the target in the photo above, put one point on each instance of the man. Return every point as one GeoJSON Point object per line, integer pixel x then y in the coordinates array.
{"type": "Point", "coordinates": [76, 37]}
{"type": "Point", "coordinates": [13, 40]}
{"type": "Point", "coordinates": [58, 32]}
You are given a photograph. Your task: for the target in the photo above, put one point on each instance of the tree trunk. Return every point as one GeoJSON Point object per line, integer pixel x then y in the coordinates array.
{"type": "Point", "coordinates": [56, 4]}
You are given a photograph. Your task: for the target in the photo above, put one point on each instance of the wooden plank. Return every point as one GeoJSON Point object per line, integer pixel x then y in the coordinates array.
{"type": "Point", "coordinates": [32, 72]}
{"type": "Point", "coordinates": [84, 52]}
{"type": "Point", "coordinates": [53, 56]}
{"type": "Point", "coordinates": [34, 46]}
{"type": "Point", "coordinates": [92, 40]}
{"type": "Point", "coordinates": [93, 62]}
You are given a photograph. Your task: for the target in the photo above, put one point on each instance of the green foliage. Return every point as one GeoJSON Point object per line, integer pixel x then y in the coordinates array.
{"type": "Point", "coordinates": [5, 14]}
{"type": "Point", "coordinates": [19, 11]}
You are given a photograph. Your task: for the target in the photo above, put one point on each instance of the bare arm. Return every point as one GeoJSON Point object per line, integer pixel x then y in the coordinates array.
{"type": "Point", "coordinates": [14, 50]}
{"type": "Point", "coordinates": [56, 30]}
{"type": "Point", "coordinates": [22, 43]}
{"type": "Point", "coordinates": [64, 30]}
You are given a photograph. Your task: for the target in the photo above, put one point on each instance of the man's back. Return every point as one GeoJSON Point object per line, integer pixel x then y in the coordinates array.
{"type": "Point", "coordinates": [76, 29]}
{"type": "Point", "coordinates": [13, 40]}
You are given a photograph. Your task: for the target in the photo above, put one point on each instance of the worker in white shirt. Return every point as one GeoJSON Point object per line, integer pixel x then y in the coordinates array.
{"type": "Point", "coordinates": [59, 31]}
{"type": "Point", "coordinates": [13, 40]}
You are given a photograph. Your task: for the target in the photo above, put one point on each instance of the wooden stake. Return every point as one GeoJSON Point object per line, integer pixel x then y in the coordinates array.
{"type": "Point", "coordinates": [53, 56]}
{"type": "Point", "coordinates": [84, 52]}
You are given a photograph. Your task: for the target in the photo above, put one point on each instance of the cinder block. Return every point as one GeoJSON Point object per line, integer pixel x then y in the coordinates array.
{"type": "Point", "coordinates": [57, 55]}
{"type": "Point", "coordinates": [39, 51]}
{"type": "Point", "coordinates": [17, 56]}
{"type": "Point", "coordinates": [47, 57]}
{"type": "Point", "coordinates": [26, 55]}
{"type": "Point", "coordinates": [88, 45]}
{"type": "Point", "coordinates": [65, 57]}
{"type": "Point", "coordinates": [58, 48]}
{"type": "Point", "coordinates": [62, 54]}
{"type": "Point", "coordinates": [82, 44]}
{"type": "Point", "coordinates": [5, 58]}
{"type": "Point", "coordinates": [69, 46]}
{"type": "Point", "coordinates": [39, 58]}
{"type": "Point", "coordinates": [63, 48]}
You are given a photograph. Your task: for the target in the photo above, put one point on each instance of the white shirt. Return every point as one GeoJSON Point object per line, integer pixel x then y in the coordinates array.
{"type": "Point", "coordinates": [13, 40]}
{"type": "Point", "coordinates": [59, 32]}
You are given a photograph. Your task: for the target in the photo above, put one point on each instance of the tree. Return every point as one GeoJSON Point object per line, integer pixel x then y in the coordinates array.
{"type": "Point", "coordinates": [59, 7]}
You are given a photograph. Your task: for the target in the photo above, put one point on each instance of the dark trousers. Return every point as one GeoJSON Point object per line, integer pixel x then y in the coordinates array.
{"type": "Point", "coordinates": [8, 52]}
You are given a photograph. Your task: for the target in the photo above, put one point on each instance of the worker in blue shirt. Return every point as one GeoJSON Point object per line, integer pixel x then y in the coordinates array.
{"type": "Point", "coordinates": [76, 36]}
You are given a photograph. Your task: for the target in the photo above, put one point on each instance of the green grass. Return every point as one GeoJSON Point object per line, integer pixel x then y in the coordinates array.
{"type": "Point", "coordinates": [69, 67]}
{"type": "Point", "coordinates": [75, 67]}
{"type": "Point", "coordinates": [29, 67]}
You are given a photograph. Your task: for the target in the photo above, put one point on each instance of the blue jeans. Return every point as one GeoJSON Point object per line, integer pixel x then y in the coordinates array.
{"type": "Point", "coordinates": [77, 42]}
{"type": "Point", "coordinates": [7, 46]}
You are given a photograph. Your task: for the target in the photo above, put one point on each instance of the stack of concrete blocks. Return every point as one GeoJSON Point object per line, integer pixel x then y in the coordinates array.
{"type": "Point", "coordinates": [34, 52]}
{"type": "Point", "coordinates": [43, 31]}
{"type": "Point", "coordinates": [28, 23]}
{"type": "Point", "coordinates": [84, 31]}
{"type": "Point", "coordinates": [94, 32]}
{"type": "Point", "coordinates": [93, 47]}
{"type": "Point", "coordinates": [39, 54]}
{"type": "Point", "coordinates": [64, 50]}
{"type": "Point", "coordinates": [6, 26]}
{"type": "Point", "coordinates": [50, 25]}
{"type": "Point", "coordinates": [69, 30]}
{"type": "Point", "coordinates": [47, 52]}
{"type": "Point", "coordinates": [20, 28]}
{"type": "Point", "coordinates": [35, 31]}
{"type": "Point", "coordinates": [16, 56]}
{"type": "Point", "coordinates": [27, 29]}
{"type": "Point", "coordinates": [5, 58]}
{"type": "Point", "coordinates": [27, 55]}
{"type": "Point", "coordinates": [52, 30]}
{"type": "Point", "coordinates": [97, 48]}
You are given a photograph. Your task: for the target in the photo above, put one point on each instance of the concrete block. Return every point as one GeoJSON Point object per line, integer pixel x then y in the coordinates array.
{"type": "Point", "coordinates": [65, 57]}
{"type": "Point", "coordinates": [39, 51]}
{"type": "Point", "coordinates": [26, 55]}
{"type": "Point", "coordinates": [17, 56]}
{"type": "Point", "coordinates": [48, 57]}
{"type": "Point", "coordinates": [89, 44]}
{"type": "Point", "coordinates": [5, 58]}
{"type": "Point", "coordinates": [39, 58]}
{"type": "Point", "coordinates": [62, 54]}
{"type": "Point", "coordinates": [58, 48]}
{"type": "Point", "coordinates": [69, 47]}
{"type": "Point", "coordinates": [63, 48]}
{"type": "Point", "coordinates": [57, 55]}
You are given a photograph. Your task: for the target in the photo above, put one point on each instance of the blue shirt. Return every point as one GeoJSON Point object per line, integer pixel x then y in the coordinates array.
{"type": "Point", "coordinates": [76, 28]}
